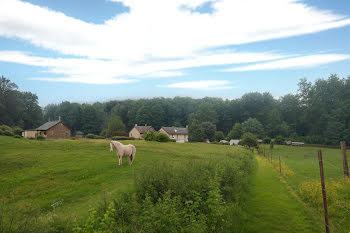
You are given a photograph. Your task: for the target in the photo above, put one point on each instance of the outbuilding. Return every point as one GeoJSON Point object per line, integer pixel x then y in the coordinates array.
{"type": "Point", "coordinates": [177, 133]}
{"type": "Point", "coordinates": [50, 130]}
{"type": "Point", "coordinates": [138, 132]}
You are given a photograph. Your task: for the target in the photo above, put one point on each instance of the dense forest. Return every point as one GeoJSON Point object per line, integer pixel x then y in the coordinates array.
{"type": "Point", "coordinates": [318, 113]}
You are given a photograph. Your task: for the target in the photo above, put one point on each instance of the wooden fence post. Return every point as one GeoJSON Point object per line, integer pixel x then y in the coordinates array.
{"type": "Point", "coordinates": [323, 186]}
{"type": "Point", "coordinates": [345, 159]}
{"type": "Point", "coordinates": [279, 158]}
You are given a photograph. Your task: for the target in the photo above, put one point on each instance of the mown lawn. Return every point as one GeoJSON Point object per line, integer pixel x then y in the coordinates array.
{"type": "Point", "coordinates": [68, 177]}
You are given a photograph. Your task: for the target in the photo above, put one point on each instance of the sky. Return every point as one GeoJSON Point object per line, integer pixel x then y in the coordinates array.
{"type": "Point", "coordinates": [100, 50]}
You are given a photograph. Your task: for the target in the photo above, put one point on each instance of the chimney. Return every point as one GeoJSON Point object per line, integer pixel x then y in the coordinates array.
{"type": "Point", "coordinates": [59, 118]}
{"type": "Point", "coordinates": [135, 124]}
{"type": "Point", "coordinates": [186, 126]}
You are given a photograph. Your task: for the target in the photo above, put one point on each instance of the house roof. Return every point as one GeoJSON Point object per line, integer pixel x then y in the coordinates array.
{"type": "Point", "coordinates": [143, 129]}
{"type": "Point", "coordinates": [48, 125]}
{"type": "Point", "coordinates": [175, 130]}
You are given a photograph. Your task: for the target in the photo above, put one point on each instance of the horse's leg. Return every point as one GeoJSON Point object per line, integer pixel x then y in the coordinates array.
{"type": "Point", "coordinates": [119, 160]}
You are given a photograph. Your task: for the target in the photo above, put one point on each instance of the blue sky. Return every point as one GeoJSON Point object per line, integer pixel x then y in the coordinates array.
{"type": "Point", "coordinates": [98, 50]}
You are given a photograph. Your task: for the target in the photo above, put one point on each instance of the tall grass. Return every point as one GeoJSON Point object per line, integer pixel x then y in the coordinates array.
{"type": "Point", "coordinates": [198, 196]}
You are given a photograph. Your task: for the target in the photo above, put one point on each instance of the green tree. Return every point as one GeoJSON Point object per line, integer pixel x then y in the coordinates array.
{"type": "Point", "coordinates": [196, 132]}
{"type": "Point", "coordinates": [219, 135]}
{"type": "Point", "coordinates": [209, 130]}
{"type": "Point", "coordinates": [236, 132]}
{"type": "Point", "coordinates": [249, 139]}
{"type": "Point", "coordinates": [144, 116]}
{"type": "Point", "coordinates": [115, 125]}
{"type": "Point", "coordinates": [253, 126]}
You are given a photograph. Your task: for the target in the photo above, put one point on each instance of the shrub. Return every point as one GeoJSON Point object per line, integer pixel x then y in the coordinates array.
{"type": "Point", "coordinates": [172, 140]}
{"type": "Point", "coordinates": [91, 136]}
{"type": "Point", "coordinates": [200, 196]}
{"type": "Point", "coordinates": [279, 140]}
{"type": "Point", "coordinates": [266, 140]}
{"type": "Point", "coordinates": [1, 132]}
{"type": "Point", "coordinates": [17, 130]}
{"type": "Point", "coordinates": [99, 137]}
{"type": "Point", "coordinates": [219, 135]}
{"type": "Point", "coordinates": [5, 127]}
{"type": "Point", "coordinates": [161, 137]}
{"type": "Point", "coordinates": [8, 133]}
{"type": "Point", "coordinates": [118, 138]}
{"type": "Point", "coordinates": [39, 137]}
{"type": "Point", "coordinates": [17, 136]}
{"type": "Point", "coordinates": [79, 133]}
{"type": "Point", "coordinates": [150, 136]}
{"type": "Point", "coordinates": [249, 139]}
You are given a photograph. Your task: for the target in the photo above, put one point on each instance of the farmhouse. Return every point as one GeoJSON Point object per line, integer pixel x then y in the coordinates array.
{"type": "Point", "coordinates": [50, 130]}
{"type": "Point", "coordinates": [179, 134]}
{"type": "Point", "coordinates": [138, 132]}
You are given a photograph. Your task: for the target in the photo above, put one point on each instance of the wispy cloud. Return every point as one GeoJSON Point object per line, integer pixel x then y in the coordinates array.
{"type": "Point", "coordinates": [290, 63]}
{"type": "Point", "coordinates": [156, 38]}
{"type": "Point", "coordinates": [202, 85]}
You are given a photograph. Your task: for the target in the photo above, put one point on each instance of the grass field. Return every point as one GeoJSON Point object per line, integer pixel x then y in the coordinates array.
{"type": "Point", "coordinates": [68, 177]}
{"type": "Point", "coordinates": [304, 179]}
{"type": "Point", "coordinates": [60, 180]}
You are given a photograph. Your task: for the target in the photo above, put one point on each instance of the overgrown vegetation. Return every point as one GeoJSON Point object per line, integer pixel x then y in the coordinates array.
{"type": "Point", "coordinates": [194, 197]}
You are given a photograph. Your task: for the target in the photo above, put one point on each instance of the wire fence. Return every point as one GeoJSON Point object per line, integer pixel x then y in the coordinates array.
{"type": "Point", "coordinates": [294, 182]}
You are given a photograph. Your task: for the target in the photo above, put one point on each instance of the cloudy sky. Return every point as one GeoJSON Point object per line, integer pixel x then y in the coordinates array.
{"type": "Point", "coordinates": [98, 50]}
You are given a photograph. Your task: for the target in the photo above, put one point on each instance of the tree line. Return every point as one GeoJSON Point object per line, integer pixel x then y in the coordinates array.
{"type": "Point", "coordinates": [318, 113]}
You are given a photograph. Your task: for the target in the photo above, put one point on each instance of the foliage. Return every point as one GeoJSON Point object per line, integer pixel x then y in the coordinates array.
{"type": "Point", "coordinates": [18, 108]}
{"type": "Point", "coordinates": [253, 126]}
{"type": "Point", "coordinates": [7, 133]}
{"type": "Point", "coordinates": [266, 140]}
{"type": "Point", "coordinates": [279, 140]}
{"type": "Point", "coordinates": [209, 130]}
{"type": "Point", "coordinates": [272, 145]}
{"type": "Point", "coordinates": [150, 136]}
{"type": "Point", "coordinates": [219, 135]}
{"type": "Point", "coordinates": [196, 132]}
{"type": "Point", "coordinates": [236, 132]}
{"type": "Point", "coordinates": [162, 137]}
{"type": "Point", "coordinates": [17, 136]}
{"type": "Point", "coordinates": [191, 197]}
{"type": "Point", "coordinates": [249, 140]}
{"type": "Point", "coordinates": [115, 125]}
{"type": "Point", "coordinates": [17, 130]}
{"type": "Point", "coordinates": [91, 136]}
{"type": "Point", "coordinates": [118, 138]}
{"type": "Point", "coordinates": [40, 137]}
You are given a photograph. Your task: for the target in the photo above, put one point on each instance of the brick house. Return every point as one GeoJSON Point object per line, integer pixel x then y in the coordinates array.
{"type": "Point", "coordinates": [50, 130]}
{"type": "Point", "coordinates": [138, 132]}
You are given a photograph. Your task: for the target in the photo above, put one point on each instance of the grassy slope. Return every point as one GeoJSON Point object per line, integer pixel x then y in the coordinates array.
{"type": "Point", "coordinates": [36, 174]}
{"type": "Point", "coordinates": [272, 208]}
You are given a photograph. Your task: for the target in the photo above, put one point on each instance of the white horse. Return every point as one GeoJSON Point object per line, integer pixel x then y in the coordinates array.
{"type": "Point", "coordinates": [123, 151]}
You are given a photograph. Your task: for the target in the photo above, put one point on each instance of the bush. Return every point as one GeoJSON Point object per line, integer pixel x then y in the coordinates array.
{"type": "Point", "coordinates": [8, 133]}
{"type": "Point", "coordinates": [249, 139]}
{"type": "Point", "coordinates": [219, 135]}
{"type": "Point", "coordinates": [200, 196]}
{"type": "Point", "coordinates": [172, 140]}
{"type": "Point", "coordinates": [162, 137]}
{"type": "Point", "coordinates": [17, 136]}
{"type": "Point", "coordinates": [39, 137]}
{"type": "Point", "coordinates": [118, 138]}
{"type": "Point", "coordinates": [1, 132]}
{"type": "Point", "coordinates": [99, 137]}
{"type": "Point", "coordinates": [91, 136]}
{"type": "Point", "coordinates": [79, 133]}
{"type": "Point", "coordinates": [5, 127]}
{"type": "Point", "coordinates": [279, 140]}
{"type": "Point", "coordinates": [17, 130]}
{"type": "Point", "coordinates": [266, 140]}
{"type": "Point", "coordinates": [150, 136]}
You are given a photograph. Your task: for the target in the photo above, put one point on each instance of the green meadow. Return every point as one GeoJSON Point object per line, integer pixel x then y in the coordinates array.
{"type": "Point", "coordinates": [55, 184]}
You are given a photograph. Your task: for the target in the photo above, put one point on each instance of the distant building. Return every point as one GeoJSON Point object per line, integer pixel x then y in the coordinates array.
{"type": "Point", "coordinates": [234, 142]}
{"type": "Point", "coordinates": [138, 132]}
{"type": "Point", "coordinates": [50, 130]}
{"type": "Point", "coordinates": [179, 134]}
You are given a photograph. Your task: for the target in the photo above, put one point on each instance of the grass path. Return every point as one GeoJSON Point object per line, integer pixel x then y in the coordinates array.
{"type": "Point", "coordinates": [272, 208]}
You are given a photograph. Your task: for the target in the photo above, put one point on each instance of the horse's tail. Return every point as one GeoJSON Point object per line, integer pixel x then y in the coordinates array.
{"type": "Point", "coordinates": [133, 153]}
{"type": "Point", "coordinates": [111, 146]}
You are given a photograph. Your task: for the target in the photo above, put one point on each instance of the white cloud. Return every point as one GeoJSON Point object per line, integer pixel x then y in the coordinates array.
{"type": "Point", "coordinates": [296, 62]}
{"type": "Point", "coordinates": [157, 38]}
{"type": "Point", "coordinates": [202, 85]}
